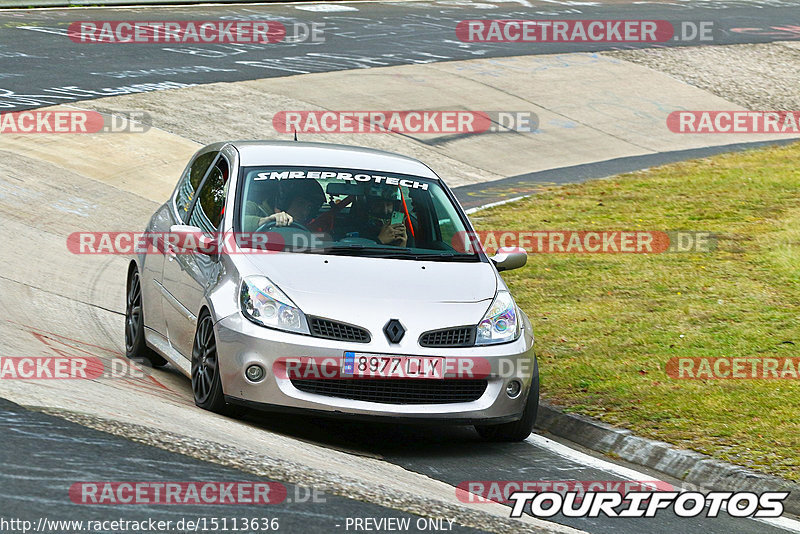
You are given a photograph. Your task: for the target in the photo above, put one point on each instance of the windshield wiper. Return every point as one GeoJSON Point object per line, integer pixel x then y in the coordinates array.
{"type": "Point", "coordinates": [363, 250]}
{"type": "Point", "coordinates": [444, 256]}
{"type": "Point", "coordinates": [396, 253]}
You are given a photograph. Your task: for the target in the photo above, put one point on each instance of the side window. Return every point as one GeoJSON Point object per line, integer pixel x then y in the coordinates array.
{"type": "Point", "coordinates": [190, 182]}
{"type": "Point", "coordinates": [208, 211]}
{"type": "Point", "coordinates": [445, 218]}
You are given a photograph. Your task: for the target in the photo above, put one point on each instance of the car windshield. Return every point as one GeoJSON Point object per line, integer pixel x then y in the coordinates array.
{"type": "Point", "coordinates": [352, 212]}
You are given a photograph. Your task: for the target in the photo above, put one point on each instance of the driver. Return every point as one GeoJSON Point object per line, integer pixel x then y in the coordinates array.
{"type": "Point", "coordinates": [259, 206]}
{"type": "Point", "coordinates": [296, 201]}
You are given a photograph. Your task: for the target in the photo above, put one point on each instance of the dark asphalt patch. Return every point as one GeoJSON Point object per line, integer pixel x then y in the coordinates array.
{"type": "Point", "coordinates": [42, 456]}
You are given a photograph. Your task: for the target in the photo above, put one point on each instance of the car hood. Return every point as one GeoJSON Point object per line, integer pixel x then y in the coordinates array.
{"type": "Point", "coordinates": [347, 277]}
{"type": "Point", "coordinates": [368, 292]}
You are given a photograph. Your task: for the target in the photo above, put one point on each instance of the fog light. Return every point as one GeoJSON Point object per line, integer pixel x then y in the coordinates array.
{"type": "Point", "coordinates": [254, 373]}
{"type": "Point", "coordinates": [513, 389]}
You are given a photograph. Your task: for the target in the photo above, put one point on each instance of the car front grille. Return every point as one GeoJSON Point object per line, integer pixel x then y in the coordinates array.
{"type": "Point", "coordinates": [396, 390]}
{"type": "Point", "coordinates": [340, 331]}
{"type": "Point", "coordinates": [463, 336]}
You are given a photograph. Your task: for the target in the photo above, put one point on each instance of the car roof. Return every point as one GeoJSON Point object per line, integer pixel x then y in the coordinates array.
{"type": "Point", "coordinates": [253, 153]}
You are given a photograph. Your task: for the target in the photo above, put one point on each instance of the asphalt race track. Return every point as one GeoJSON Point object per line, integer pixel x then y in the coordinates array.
{"type": "Point", "coordinates": [54, 434]}
{"type": "Point", "coordinates": [42, 67]}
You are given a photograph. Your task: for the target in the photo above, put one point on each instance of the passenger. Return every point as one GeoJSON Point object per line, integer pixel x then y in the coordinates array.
{"type": "Point", "coordinates": [374, 220]}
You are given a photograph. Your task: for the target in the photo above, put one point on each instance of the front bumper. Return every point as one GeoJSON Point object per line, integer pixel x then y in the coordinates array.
{"type": "Point", "coordinates": [240, 343]}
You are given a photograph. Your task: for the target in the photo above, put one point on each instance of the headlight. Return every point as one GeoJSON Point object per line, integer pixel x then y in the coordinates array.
{"type": "Point", "coordinates": [263, 303]}
{"type": "Point", "coordinates": [500, 324]}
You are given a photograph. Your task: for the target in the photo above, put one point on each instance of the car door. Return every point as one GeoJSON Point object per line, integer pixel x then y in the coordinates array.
{"type": "Point", "coordinates": [152, 267]}
{"type": "Point", "coordinates": [186, 276]}
{"type": "Point", "coordinates": [167, 215]}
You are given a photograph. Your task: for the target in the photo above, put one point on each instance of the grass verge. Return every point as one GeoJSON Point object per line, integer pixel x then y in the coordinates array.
{"type": "Point", "coordinates": [606, 324]}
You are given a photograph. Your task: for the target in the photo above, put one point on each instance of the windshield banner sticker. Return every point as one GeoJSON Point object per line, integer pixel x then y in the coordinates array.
{"type": "Point", "coordinates": [348, 176]}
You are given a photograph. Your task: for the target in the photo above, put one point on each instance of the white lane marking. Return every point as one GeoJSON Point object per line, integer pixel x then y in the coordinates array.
{"type": "Point", "coordinates": [493, 204]}
{"type": "Point", "coordinates": [784, 523]}
{"type": "Point", "coordinates": [325, 8]}
{"type": "Point", "coordinates": [466, 3]}
{"type": "Point", "coordinates": [268, 3]}
{"type": "Point", "coordinates": [585, 459]}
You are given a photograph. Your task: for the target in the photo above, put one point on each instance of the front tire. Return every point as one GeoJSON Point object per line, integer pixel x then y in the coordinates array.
{"type": "Point", "coordinates": [135, 346]}
{"type": "Point", "coordinates": [206, 382]}
{"type": "Point", "coordinates": [521, 429]}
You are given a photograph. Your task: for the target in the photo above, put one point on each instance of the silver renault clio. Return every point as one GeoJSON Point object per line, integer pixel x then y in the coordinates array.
{"type": "Point", "coordinates": [333, 280]}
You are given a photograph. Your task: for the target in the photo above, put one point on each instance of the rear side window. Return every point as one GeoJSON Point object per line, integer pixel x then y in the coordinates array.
{"type": "Point", "coordinates": [190, 182]}
{"type": "Point", "coordinates": [210, 206]}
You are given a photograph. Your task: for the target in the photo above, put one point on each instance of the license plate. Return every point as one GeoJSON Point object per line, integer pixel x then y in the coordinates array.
{"type": "Point", "coordinates": [363, 365]}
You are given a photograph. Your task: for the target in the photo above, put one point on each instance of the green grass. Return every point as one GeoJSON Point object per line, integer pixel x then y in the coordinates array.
{"type": "Point", "coordinates": [606, 324]}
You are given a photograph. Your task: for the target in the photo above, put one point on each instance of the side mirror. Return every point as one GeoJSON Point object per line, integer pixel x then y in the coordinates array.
{"type": "Point", "coordinates": [191, 238]}
{"type": "Point", "coordinates": [509, 258]}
